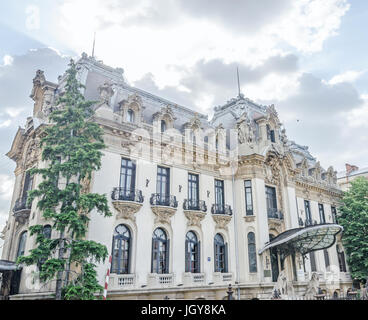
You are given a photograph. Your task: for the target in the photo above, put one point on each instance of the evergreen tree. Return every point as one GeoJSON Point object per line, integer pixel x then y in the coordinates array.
{"type": "Point", "coordinates": [354, 218]}
{"type": "Point", "coordinates": [71, 148]}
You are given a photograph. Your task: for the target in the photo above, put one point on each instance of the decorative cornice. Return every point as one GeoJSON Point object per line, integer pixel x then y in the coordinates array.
{"type": "Point", "coordinates": [126, 209]}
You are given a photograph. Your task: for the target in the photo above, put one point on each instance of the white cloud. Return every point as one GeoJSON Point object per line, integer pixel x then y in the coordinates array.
{"type": "Point", "coordinates": [5, 123]}
{"type": "Point", "coordinates": [8, 60]}
{"type": "Point", "coordinates": [32, 17]}
{"type": "Point", "coordinates": [358, 117]}
{"type": "Point", "coordinates": [348, 76]}
{"type": "Point", "coordinates": [6, 186]}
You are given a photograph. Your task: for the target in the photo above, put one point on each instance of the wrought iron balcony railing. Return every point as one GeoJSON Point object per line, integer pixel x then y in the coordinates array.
{"type": "Point", "coordinates": [21, 204]}
{"type": "Point", "coordinates": [196, 205]}
{"type": "Point", "coordinates": [273, 213]}
{"type": "Point", "coordinates": [158, 199]}
{"type": "Point", "coordinates": [221, 209]}
{"type": "Point", "coordinates": [127, 195]}
{"type": "Point", "coordinates": [308, 222]}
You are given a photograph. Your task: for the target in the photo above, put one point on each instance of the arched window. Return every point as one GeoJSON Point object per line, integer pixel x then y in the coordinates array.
{"type": "Point", "coordinates": [163, 125]}
{"type": "Point", "coordinates": [130, 116]}
{"type": "Point", "coordinates": [47, 231]}
{"type": "Point", "coordinates": [121, 250]}
{"type": "Point", "coordinates": [220, 254]}
{"type": "Point", "coordinates": [192, 253]}
{"type": "Point", "coordinates": [160, 252]}
{"type": "Point", "coordinates": [252, 255]}
{"type": "Point", "coordinates": [22, 244]}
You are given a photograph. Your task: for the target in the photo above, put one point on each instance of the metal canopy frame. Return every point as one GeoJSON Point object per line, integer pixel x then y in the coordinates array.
{"type": "Point", "coordinates": [305, 240]}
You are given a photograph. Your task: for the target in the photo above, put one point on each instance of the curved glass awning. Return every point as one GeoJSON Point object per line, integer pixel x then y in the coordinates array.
{"type": "Point", "coordinates": [305, 240]}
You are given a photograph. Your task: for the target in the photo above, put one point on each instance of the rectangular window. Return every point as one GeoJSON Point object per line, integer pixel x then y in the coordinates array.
{"type": "Point", "coordinates": [321, 213]}
{"type": "Point", "coordinates": [163, 183]}
{"type": "Point", "coordinates": [248, 197]}
{"type": "Point", "coordinates": [272, 135]}
{"type": "Point", "coordinates": [271, 201]}
{"type": "Point", "coordinates": [127, 178]}
{"type": "Point", "coordinates": [219, 195]}
{"type": "Point", "coordinates": [27, 186]}
{"type": "Point", "coordinates": [313, 261]}
{"type": "Point", "coordinates": [327, 258]}
{"type": "Point", "coordinates": [334, 214]}
{"type": "Point", "coordinates": [193, 190]}
{"type": "Point", "coordinates": [308, 214]}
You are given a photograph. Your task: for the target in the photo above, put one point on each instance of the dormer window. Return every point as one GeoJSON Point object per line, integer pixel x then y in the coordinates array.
{"type": "Point", "coordinates": [270, 134]}
{"type": "Point", "coordinates": [130, 116]}
{"type": "Point", "coordinates": [163, 126]}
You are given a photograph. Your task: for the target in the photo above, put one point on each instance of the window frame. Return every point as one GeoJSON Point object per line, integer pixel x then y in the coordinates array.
{"type": "Point", "coordinates": [162, 252]}
{"type": "Point", "coordinates": [124, 250]}
{"type": "Point", "coordinates": [252, 252]}
{"type": "Point", "coordinates": [248, 191]}
{"type": "Point", "coordinates": [192, 253]}
{"type": "Point", "coordinates": [220, 254]}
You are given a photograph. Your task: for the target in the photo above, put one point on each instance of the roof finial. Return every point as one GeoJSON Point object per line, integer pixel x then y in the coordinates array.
{"type": "Point", "coordinates": [93, 48]}
{"type": "Point", "coordinates": [237, 73]}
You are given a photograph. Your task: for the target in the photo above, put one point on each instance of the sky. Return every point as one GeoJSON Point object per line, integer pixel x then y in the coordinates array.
{"type": "Point", "coordinates": [307, 57]}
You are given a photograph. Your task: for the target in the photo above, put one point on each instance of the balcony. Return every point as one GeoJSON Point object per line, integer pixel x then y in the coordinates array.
{"type": "Point", "coordinates": [155, 280]}
{"type": "Point", "coordinates": [273, 213]}
{"type": "Point", "coordinates": [127, 202]}
{"type": "Point", "coordinates": [122, 281]}
{"type": "Point", "coordinates": [194, 279]}
{"type": "Point", "coordinates": [220, 278]}
{"type": "Point", "coordinates": [307, 222]}
{"type": "Point", "coordinates": [163, 206]}
{"type": "Point", "coordinates": [21, 210]}
{"type": "Point", "coordinates": [195, 211]}
{"type": "Point", "coordinates": [221, 214]}
{"type": "Point", "coordinates": [221, 209]}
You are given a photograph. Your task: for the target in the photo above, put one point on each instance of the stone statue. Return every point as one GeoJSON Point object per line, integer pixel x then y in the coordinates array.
{"type": "Point", "coordinates": [245, 130]}
{"type": "Point", "coordinates": [283, 286]}
{"type": "Point", "coordinates": [106, 92]}
{"type": "Point", "coordinates": [313, 285]}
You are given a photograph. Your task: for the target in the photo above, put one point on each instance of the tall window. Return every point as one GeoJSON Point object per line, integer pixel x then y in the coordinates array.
{"type": "Point", "coordinates": [270, 133]}
{"type": "Point", "coordinates": [313, 261]}
{"type": "Point", "coordinates": [163, 183]}
{"type": "Point", "coordinates": [27, 186]}
{"type": "Point", "coordinates": [22, 244]}
{"type": "Point", "coordinates": [334, 214]}
{"type": "Point", "coordinates": [160, 252]}
{"type": "Point", "coordinates": [47, 234]}
{"type": "Point", "coordinates": [127, 177]}
{"type": "Point", "coordinates": [220, 254]}
{"type": "Point", "coordinates": [308, 214]}
{"type": "Point", "coordinates": [252, 255]}
{"type": "Point", "coordinates": [192, 253]}
{"type": "Point", "coordinates": [327, 258]}
{"type": "Point", "coordinates": [47, 231]}
{"type": "Point", "coordinates": [248, 197]}
{"type": "Point", "coordinates": [219, 195]}
{"type": "Point", "coordinates": [321, 213]}
{"type": "Point", "coordinates": [193, 190]}
{"type": "Point", "coordinates": [163, 126]}
{"type": "Point", "coordinates": [130, 116]}
{"type": "Point", "coordinates": [271, 200]}
{"type": "Point", "coordinates": [121, 250]}
{"type": "Point", "coordinates": [341, 258]}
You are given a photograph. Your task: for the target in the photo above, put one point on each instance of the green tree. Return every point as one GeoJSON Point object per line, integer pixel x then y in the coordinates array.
{"type": "Point", "coordinates": [354, 218]}
{"type": "Point", "coordinates": [71, 148]}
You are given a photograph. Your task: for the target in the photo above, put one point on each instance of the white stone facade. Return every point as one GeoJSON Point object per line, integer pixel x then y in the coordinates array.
{"type": "Point", "coordinates": [244, 142]}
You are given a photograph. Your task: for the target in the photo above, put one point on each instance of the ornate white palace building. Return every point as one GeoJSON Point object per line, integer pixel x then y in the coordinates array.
{"type": "Point", "coordinates": [197, 204]}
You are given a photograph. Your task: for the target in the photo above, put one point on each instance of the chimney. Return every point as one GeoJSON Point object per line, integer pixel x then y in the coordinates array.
{"type": "Point", "coordinates": [350, 168]}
